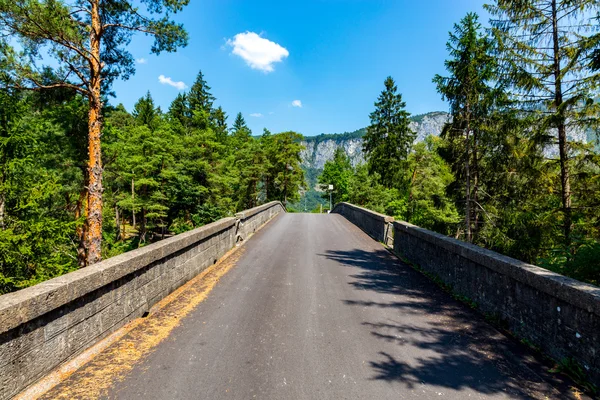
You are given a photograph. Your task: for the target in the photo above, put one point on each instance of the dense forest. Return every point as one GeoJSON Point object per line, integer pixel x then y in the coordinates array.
{"type": "Point", "coordinates": [82, 180]}
{"type": "Point", "coordinates": [164, 173]}
{"type": "Point", "coordinates": [507, 173]}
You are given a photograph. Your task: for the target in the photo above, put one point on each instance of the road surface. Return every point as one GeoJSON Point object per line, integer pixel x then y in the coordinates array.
{"type": "Point", "coordinates": [315, 309]}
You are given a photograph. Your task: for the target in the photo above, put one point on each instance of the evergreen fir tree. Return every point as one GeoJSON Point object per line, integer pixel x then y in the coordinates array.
{"type": "Point", "coordinates": [240, 133]}
{"type": "Point", "coordinates": [145, 112]}
{"type": "Point", "coordinates": [545, 53]}
{"type": "Point", "coordinates": [200, 99]}
{"type": "Point", "coordinates": [180, 109]}
{"type": "Point", "coordinates": [288, 176]}
{"type": "Point", "coordinates": [389, 137]}
{"type": "Point", "coordinates": [252, 164]}
{"type": "Point", "coordinates": [220, 124]}
{"type": "Point", "coordinates": [470, 95]}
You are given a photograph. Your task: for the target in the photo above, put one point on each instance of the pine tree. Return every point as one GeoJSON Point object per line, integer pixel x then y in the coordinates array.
{"type": "Point", "coordinates": [267, 144]}
{"type": "Point", "coordinates": [86, 39]}
{"type": "Point", "coordinates": [545, 54]}
{"type": "Point", "coordinates": [220, 124]}
{"type": "Point", "coordinates": [470, 95]}
{"type": "Point", "coordinates": [285, 174]}
{"type": "Point", "coordinates": [146, 159]}
{"type": "Point", "coordinates": [180, 110]}
{"type": "Point", "coordinates": [200, 102]}
{"type": "Point", "coordinates": [145, 112]}
{"type": "Point", "coordinates": [199, 97]}
{"type": "Point", "coordinates": [240, 133]}
{"type": "Point", "coordinates": [389, 137]}
{"type": "Point", "coordinates": [39, 189]}
{"type": "Point", "coordinates": [252, 164]}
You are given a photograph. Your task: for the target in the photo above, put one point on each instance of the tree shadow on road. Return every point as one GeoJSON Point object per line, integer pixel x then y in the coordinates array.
{"type": "Point", "coordinates": [443, 343]}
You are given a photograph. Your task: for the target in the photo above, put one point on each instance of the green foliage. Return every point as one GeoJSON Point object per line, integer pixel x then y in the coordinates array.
{"type": "Point", "coordinates": [62, 31]}
{"type": "Point", "coordinates": [338, 137]}
{"type": "Point", "coordinates": [427, 203]}
{"type": "Point", "coordinates": [544, 49]}
{"type": "Point", "coordinates": [336, 172]}
{"type": "Point", "coordinates": [389, 137]}
{"type": "Point", "coordinates": [471, 97]}
{"type": "Point", "coordinates": [285, 176]}
{"type": "Point", "coordinates": [199, 98]}
{"type": "Point", "coordinates": [573, 369]}
{"type": "Point", "coordinates": [164, 174]}
{"type": "Point", "coordinates": [366, 191]}
{"type": "Point", "coordinates": [80, 46]}
{"type": "Point", "coordinates": [35, 232]}
{"type": "Point", "coordinates": [420, 194]}
{"type": "Point", "coordinates": [581, 260]}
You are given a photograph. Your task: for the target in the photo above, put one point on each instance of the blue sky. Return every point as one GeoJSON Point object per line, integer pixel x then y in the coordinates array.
{"type": "Point", "coordinates": [331, 55]}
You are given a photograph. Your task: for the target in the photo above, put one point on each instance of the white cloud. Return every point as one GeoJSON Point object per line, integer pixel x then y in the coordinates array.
{"type": "Point", "coordinates": [256, 115]}
{"type": "Point", "coordinates": [258, 52]}
{"type": "Point", "coordinates": [141, 61]}
{"type": "Point", "coordinates": [168, 81]}
{"type": "Point", "coordinates": [297, 103]}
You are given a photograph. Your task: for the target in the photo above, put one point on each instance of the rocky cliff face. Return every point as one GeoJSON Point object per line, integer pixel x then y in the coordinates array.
{"type": "Point", "coordinates": [316, 153]}
{"type": "Point", "coordinates": [319, 149]}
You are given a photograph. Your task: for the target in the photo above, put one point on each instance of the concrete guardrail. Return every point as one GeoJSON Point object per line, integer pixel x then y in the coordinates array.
{"type": "Point", "coordinates": [47, 324]}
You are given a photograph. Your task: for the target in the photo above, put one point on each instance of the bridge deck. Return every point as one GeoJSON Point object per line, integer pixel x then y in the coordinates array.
{"type": "Point", "coordinates": [315, 309]}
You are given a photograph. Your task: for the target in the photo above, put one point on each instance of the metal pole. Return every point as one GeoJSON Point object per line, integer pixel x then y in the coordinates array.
{"type": "Point", "coordinates": [330, 206]}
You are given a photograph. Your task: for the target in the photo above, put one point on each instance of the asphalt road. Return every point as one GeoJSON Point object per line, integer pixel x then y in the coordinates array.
{"type": "Point", "coordinates": [315, 309]}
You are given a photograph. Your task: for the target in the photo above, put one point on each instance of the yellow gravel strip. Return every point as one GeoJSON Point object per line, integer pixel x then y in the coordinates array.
{"type": "Point", "coordinates": [93, 373]}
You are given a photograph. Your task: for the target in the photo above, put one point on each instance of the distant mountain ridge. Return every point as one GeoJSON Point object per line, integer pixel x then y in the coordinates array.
{"type": "Point", "coordinates": [319, 149]}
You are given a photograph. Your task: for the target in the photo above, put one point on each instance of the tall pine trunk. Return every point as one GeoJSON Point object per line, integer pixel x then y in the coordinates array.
{"type": "Point", "coordinates": [475, 201]}
{"type": "Point", "coordinates": [562, 131]}
{"type": "Point", "coordinates": [94, 209]}
{"type": "Point", "coordinates": [468, 182]}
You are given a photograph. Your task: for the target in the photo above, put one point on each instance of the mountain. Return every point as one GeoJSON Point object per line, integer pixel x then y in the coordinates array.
{"type": "Point", "coordinates": [319, 149]}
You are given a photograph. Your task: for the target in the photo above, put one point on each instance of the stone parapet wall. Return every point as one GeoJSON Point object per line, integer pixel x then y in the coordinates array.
{"type": "Point", "coordinates": [557, 314]}
{"type": "Point", "coordinates": [47, 324]}
{"type": "Point", "coordinates": [250, 220]}
{"type": "Point", "coordinates": [376, 225]}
